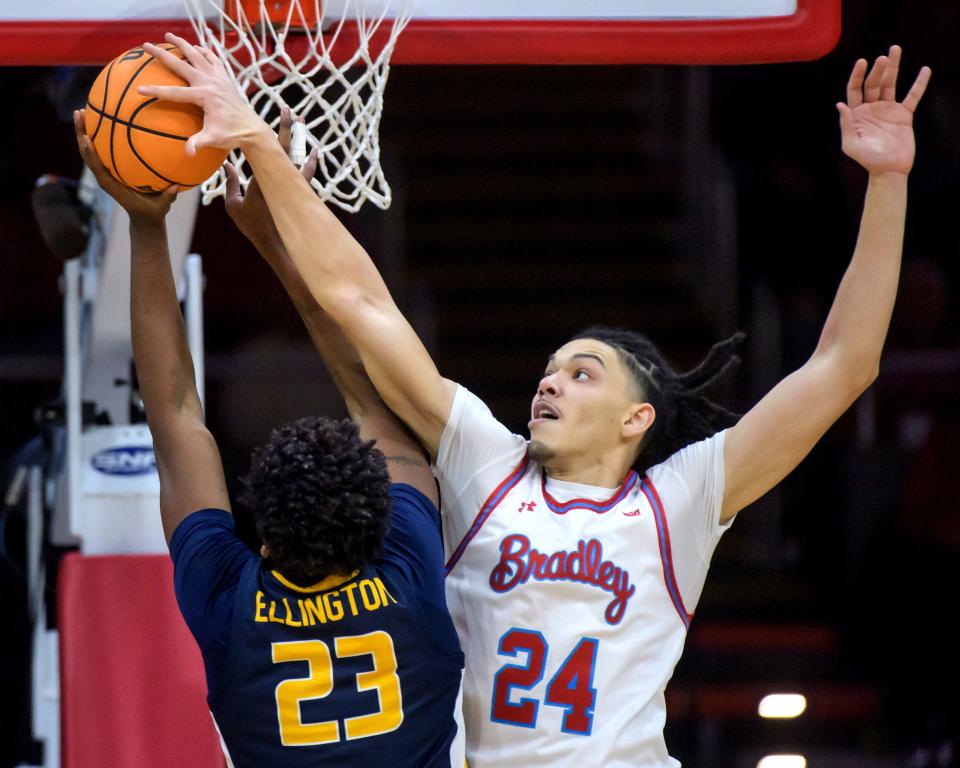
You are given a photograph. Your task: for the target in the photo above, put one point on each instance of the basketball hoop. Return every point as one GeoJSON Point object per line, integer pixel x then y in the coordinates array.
{"type": "Point", "coordinates": [329, 63]}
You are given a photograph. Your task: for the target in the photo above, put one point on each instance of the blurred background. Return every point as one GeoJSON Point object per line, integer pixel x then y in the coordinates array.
{"type": "Point", "coordinates": [687, 202]}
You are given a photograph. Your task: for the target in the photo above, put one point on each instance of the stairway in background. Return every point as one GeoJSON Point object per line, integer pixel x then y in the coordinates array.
{"type": "Point", "coordinates": [538, 201]}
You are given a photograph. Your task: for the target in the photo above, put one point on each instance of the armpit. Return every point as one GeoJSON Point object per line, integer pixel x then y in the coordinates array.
{"type": "Point", "coordinates": [406, 461]}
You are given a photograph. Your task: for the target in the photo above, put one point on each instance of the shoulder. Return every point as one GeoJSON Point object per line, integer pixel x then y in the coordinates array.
{"type": "Point", "coordinates": [469, 411]}
{"type": "Point", "coordinates": [207, 553]}
{"type": "Point", "coordinates": [414, 525]}
{"type": "Point", "coordinates": [473, 437]}
{"type": "Point", "coordinates": [413, 547]}
{"type": "Point", "coordinates": [407, 501]}
{"type": "Point", "coordinates": [209, 561]}
{"type": "Point", "coordinates": [202, 525]}
{"type": "Point", "coordinates": [692, 465]}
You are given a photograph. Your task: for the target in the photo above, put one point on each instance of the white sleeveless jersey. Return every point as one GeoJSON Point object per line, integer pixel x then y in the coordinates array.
{"type": "Point", "coordinates": [572, 602]}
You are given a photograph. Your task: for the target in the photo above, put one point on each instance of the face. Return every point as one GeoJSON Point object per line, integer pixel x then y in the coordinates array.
{"type": "Point", "coordinates": [586, 405]}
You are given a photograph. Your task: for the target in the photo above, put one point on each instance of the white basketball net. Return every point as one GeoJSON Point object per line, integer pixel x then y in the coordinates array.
{"type": "Point", "coordinates": [341, 103]}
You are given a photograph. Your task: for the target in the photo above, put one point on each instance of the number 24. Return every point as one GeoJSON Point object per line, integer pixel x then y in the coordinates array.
{"type": "Point", "coordinates": [571, 687]}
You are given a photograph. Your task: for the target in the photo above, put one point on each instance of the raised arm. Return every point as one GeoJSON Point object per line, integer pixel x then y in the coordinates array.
{"type": "Point", "coordinates": [191, 473]}
{"type": "Point", "coordinates": [336, 270]}
{"type": "Point", "coordinates": [777, 433]}
{"type": "Point", "coordinates": [405, 457]}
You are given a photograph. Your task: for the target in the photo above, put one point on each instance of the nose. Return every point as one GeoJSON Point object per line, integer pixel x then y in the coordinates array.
{"type": "Point", "coordinates": [548, 385]}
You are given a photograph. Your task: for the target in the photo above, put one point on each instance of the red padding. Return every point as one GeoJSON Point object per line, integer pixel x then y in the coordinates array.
{"type": "Point", "coordinates": [133, 691]}
{"type": "Point", "coordinates": [810, 33]}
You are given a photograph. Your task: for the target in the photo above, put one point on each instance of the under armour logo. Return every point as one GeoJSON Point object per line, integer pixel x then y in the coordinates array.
{"type": "Point", "coordinates": [526, 506]}
{"type": "Point", "coordinates": [633, 513]}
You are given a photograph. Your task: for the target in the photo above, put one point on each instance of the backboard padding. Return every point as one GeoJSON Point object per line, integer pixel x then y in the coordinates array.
{"type": "Point", "coordinates": [548, 32]}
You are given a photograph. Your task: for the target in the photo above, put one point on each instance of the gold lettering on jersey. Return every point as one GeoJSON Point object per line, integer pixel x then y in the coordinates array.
{"type": "Point", "coordinates": [330, 606]}
{"type": "Point", "coordinates": [369, 595]}
{"type": "Point", "coordinates": [273, 613]}
{"type": "Point", "coordinates": [353, 603]}
{"type": "Point", "coordinates": [333, 605]}
{"type": "Point", "coordinates": [384, 595]}
{"type": "Point", "coordinates": [290, 622]}
{"type": "Point", "coordinates": [314, 612]}
{"type": "Point", "coordinates": [258, 613]}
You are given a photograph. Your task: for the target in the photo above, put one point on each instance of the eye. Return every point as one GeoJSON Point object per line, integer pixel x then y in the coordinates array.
{"type": "Point", "coordinates": [581, 374]}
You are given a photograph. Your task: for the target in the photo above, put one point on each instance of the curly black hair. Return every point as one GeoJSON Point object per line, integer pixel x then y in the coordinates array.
{"type": "Point", "coordinates": [320, 497]}
{"type": "Point", "coordinates": [685, 414]}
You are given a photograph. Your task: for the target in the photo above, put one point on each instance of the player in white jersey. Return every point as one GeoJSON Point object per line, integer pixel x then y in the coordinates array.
{"type": "Point", "coordinates": [576, 559]}
{"type": "Point", "coordinates": [572, 601]}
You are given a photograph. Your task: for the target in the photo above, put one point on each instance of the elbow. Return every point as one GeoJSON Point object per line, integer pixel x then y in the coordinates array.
{"type": "Point", "coordinates": [343, 304]}
{"type": "Point", "coordinates": [169, 414]}
{"type": "Point", "coordinates": [849, 375]}
{"type": "Point", "coordinates": [351, 305]}
{"type": "Point", "coordinates": [860, 378]}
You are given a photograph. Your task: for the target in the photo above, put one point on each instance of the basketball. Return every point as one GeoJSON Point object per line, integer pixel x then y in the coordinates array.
{"type": "Point", "coordinates": [140, 139]}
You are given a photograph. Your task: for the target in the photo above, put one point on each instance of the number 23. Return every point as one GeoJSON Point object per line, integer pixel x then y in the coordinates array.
{"type": "Point", "coordinates": [319, 683]}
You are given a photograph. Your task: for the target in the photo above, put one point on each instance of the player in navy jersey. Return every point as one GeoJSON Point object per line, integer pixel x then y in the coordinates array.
{"type": "Point", "coordinates": [333, 646]}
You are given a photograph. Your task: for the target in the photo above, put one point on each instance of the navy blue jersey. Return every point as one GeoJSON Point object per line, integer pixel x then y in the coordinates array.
{"type": "Point", "coordinates": [357, 672]}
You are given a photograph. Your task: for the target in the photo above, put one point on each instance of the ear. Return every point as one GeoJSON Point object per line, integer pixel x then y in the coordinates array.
{"type": "Point", "coordinates": [639, 419]}
{"type": "Point", "coordinates": [264, 551]}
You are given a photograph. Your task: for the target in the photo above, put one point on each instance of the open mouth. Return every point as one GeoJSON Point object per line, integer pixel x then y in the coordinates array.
{"type": "Point", "coordinates": [545, 411]}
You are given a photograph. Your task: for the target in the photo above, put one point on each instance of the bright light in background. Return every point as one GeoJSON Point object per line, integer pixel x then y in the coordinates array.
{"type": "Point", "coordinates": [783, 761]}
{"type": "Point", "coordinates": [782, 705]}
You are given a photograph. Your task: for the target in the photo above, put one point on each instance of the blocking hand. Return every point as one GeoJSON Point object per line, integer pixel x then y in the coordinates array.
{"type": "Point", "coordinates": [228, 120]}
{"type": "Point", "coordinates": [249, 210]}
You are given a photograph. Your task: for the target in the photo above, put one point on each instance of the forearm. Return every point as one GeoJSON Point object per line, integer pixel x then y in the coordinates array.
{"type": "Point", "coordinates": [375, 420]}
{"type": "Point", "coordinates": [855, 330]}
{"type": "Point", "coordinates": [160, 351]}
{"type": "Point", "coordinates": [341, 278]}
{"type": "Point", "coordinates": [774, 436]}
{"type": "Point", "coordinates": [275, 254]}
{"type": "Point", "coordinates": [332, 264]}
{"type": "Point", "coordinates": [340, 357]}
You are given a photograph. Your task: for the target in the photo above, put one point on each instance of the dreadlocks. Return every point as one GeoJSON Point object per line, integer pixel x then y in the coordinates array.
{"type": "Point", "coordinates": [685, 414]}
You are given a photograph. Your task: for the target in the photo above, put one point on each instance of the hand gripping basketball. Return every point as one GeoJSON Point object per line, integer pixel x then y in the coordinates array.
{"type": "Point", "coordinates": [228, 121]}
{"type": "Point", "coordinates": [141, 207]}
{"type": "Point", "coordinates": [877, 130]}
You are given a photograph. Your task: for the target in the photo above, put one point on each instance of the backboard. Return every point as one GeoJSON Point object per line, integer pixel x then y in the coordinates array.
{"type": "Point", "coordinates": [471, 31]}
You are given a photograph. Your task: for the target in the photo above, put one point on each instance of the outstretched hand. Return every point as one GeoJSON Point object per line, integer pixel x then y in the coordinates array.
{"type": "Point", "coordinates": [228, 120]}
{"type": "Point", "coordinates": [876, 129]}
{"type": "Point", "coordinates": [248, 209]}
{"type": "Point", "coordinates": [150, 208]}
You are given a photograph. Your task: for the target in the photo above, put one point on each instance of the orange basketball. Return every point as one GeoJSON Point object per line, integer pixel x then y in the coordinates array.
{"type": "Point", "coordinates": [140, 139]}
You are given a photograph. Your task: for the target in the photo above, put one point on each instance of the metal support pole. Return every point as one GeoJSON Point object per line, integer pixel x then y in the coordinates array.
{"type": "Point", "coordinates": [193, 306]}
{"type": "Point", "coordinates": [35, 570]}
{"type": "Point", "coordinates": [72, 382]}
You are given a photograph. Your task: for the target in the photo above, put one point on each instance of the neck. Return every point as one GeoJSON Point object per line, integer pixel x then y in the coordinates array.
{"type": "Point", "coordinates": [597, 472]}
